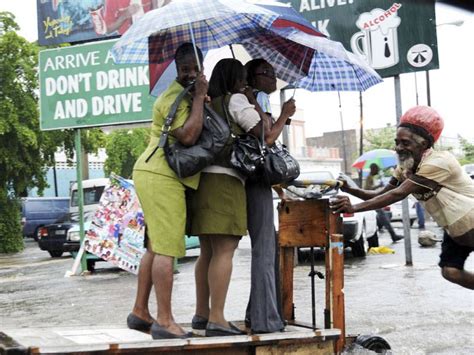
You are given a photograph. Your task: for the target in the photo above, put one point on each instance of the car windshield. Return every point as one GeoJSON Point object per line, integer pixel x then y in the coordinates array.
{"type": "Point", "coordinates": [91, 196]}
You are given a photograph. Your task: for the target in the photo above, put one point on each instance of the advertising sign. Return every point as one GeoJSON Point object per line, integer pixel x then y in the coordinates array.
{"type": "Point", "coordinates": [392, 37]}
{"type": "Point", "coordinates": [80, 86]}
{"type": "Point", "coordinates": [71, 21]}
{"type": "Point", "coordinates": [117, 230]}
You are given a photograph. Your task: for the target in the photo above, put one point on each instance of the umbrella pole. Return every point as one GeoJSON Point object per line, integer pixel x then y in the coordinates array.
{"type": "Point", "coordinates": [232, 51]}
{"type": "Point", "coordinates": [194, 46]}
{"type": "Point", "coordinates": [344, 153]}
{"type": "Point", "coordinates": [301, 68]}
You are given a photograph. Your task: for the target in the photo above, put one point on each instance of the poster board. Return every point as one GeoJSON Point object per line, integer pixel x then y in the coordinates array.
{"type": "Point", "coordinates": [117, 231]}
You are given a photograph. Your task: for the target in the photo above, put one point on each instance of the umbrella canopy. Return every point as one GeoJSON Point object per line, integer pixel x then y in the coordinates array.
{"type": "Point", "coordinates": [333, 68]}
{"type": "Point", "coordinates": [384, 158]}
{"type": "Point", "coordinates": [211, 24]}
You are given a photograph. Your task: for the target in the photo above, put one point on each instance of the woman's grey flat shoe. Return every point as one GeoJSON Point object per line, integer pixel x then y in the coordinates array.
{"type": "Point", "coordinates": [159, 332]}
{"type": "Point", "coordinates": [198, 322]}
{"type": "Point", "coordinates": [216, 330]}
{"type": "Point", "coordinates": [133, 322]}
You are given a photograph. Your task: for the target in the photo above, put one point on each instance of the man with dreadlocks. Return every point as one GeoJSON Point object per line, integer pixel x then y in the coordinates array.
{"type": "Point", "coordinates": [436, 179]}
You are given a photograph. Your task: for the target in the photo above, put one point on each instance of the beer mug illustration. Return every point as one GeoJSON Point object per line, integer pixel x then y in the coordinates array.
{"type": "Point", "coordinates": [377, 42]}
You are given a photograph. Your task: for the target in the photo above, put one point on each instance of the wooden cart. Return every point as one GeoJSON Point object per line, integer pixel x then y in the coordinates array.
{"type": "Point", "coordinates": [310, 223]}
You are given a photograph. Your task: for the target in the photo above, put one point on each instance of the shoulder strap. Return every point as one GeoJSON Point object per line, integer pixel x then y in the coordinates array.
{"type": "Point", "coordinates": [171, 115]}
{"type": "Point", "coordinates": [168, 121]}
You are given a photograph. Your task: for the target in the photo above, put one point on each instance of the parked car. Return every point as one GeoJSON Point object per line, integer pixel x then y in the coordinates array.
{"type": "Point", "coordinates": [52, 238]}
{"type": "Point", "coordinates": [92, 191]}
{"type": "Point", "coordinates": [469, 169]}
{"type": "Point", "coordinates": [395, 210]}
{"type": "Point", "coordinates": [37, 212]}
{"type": "Point", "coordinates": [357, 228]}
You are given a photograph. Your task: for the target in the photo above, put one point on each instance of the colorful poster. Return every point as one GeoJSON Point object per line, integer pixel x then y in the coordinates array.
{"type": "Point", "coordinates": [117, 230]}
{"type": "Point", "coordinates": [71, 21]}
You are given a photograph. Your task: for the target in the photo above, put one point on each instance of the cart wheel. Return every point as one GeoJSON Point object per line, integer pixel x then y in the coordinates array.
{"type": "Point", "coordinates": [373, 342]}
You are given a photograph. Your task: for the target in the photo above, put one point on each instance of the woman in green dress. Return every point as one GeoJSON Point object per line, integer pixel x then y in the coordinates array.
{"type": "Point", "coordinates": [219, 214]}
{"type": "Point", "coordinates": [162, 197]}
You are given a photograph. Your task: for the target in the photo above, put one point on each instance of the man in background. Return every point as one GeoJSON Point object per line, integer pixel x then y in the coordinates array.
{"type": "Point", "coordinates": [373, 182]}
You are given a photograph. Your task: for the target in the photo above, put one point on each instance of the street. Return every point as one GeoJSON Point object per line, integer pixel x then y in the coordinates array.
{"type": "Point", "coordinates": [412, 307]}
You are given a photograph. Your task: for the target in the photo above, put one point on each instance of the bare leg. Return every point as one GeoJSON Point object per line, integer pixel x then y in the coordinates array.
{"type": "Point", "coordinates": [162, 275]}
{"type": "Point", "coordinates": [220, 271]}
{"type": "Point", "coordinates": [140, 309]}
{"type": "Point", "coordinates": [461, 277]}
{"type": "Point", "coordinates": [200, 274]}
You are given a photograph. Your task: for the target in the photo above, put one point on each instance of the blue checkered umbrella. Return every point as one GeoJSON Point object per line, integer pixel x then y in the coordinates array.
{"type": "Point", "coordinates": [210, 24]}
{"type": "Point", "coordinates": [332, 67]}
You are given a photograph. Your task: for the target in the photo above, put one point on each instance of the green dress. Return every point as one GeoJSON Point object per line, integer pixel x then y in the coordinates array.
{"type": "Point", "coordinates": [160, 191]}
{"type": "Point", "coordinates": [219, 204]}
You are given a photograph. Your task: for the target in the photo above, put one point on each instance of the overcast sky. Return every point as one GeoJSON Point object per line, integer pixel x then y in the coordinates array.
{"type": "Point", "coordinates": [451, 85]}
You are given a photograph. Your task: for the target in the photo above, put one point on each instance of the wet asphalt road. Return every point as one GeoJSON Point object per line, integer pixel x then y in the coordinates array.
{"type": "Point", "coordinates": [412, 307]}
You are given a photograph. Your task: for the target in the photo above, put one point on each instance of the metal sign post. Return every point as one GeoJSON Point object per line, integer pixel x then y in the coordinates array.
{"type": "Point", "coordinates": [80, 196]}
{"type": "Point", "coordinates": [405, 211]}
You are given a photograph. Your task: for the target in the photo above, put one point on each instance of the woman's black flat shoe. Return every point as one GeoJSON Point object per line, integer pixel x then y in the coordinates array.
{"type": "Point", "coordinates": [159, 332]}
{"type": "Point", "coordinates": [198, 322]}
{"type": "Point", "coordinates": [216, 330]}
{"type": "Point", "coordinates": [133, 322]}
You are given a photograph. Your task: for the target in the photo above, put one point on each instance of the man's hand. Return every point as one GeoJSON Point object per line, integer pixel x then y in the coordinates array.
{"type": "Point", "coordinates": [344, 186]}
{"type": "Point", "coordinates": [341, 204]}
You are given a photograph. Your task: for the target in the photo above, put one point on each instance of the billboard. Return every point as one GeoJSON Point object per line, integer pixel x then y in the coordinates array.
{"type": "Point", "coordinates": [71, 21]}
{"type": "Point", "coordinates": [392, 37]}
{"type": "Point", "coordinates": [80, 86]}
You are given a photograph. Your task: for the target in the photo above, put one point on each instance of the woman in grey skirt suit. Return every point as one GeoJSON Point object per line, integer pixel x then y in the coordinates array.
{"type": "Point", "coordinates": [263, 313]}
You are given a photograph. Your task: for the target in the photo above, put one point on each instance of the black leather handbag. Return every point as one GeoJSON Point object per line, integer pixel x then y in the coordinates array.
{"type": "Point", "coordinates": [247, 154]}
{"type": "Point", "coordinates": [279, 166]}
{"type": "Point", "coordinates": [252, 158]}
{"type": "Point", "coordinates": [188, 160]}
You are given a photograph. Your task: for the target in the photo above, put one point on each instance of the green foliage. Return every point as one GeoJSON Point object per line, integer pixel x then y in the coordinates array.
{"type": "Point", "coordinates": [380, 139]}
{"type": "Point", "coordinates": [468, 150]}
{"type": "Point", "coordinates": [11, 239]}
{"type": "Point", "coordinates": [123, 148]}
{"type": "Point", "coordinates": [25, 151]}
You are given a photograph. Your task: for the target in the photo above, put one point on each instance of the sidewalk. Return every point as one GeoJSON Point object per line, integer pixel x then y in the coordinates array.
{"type": "Point", "coordinates": [412, 307]}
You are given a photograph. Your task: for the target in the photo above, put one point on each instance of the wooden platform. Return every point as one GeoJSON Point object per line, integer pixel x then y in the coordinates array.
{"type": "Point", "coordinates": [119, 340]}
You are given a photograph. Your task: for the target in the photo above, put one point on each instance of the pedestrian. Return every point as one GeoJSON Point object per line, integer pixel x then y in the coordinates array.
{"type": "Point", "coordinates": [263, 314]}
{"type": "Point", "coordinates": [373, 182]}
{"type": "Point", "coordinates": [219, 215]}
{"type": "Point", "coordinates": [420, 215]}
{"type": "Point", "coordinates": [162, 196]}
{"type": "Point", "coordinates": [436, 179]}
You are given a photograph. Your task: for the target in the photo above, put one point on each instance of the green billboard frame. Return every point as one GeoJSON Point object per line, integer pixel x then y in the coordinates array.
{"type": "Point", "coordinates": [80, 86]}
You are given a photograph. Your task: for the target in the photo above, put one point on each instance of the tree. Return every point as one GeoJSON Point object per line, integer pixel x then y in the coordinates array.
{"type": "Point", "coordinates": [123, 148]}
{"type": "Point", "coordinates": [25, 151]}
{"type": "Point", "coordinates": [468, 150]}
{"type": "Point", "coordinates": [380, 139]}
